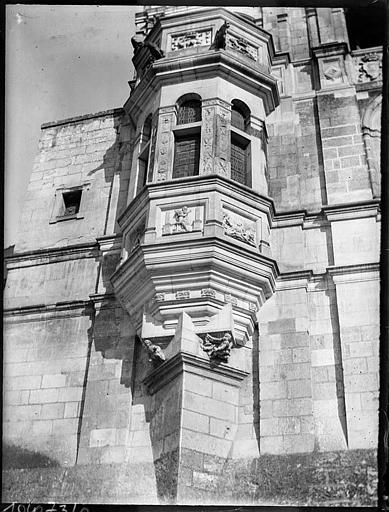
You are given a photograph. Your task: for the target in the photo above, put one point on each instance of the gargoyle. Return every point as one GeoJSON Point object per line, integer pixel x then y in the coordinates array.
{"type": "Point", "coordinates": [220, 37]}
{"type": "Point", "coordinates": [218, 349]}
{"type": "Point", "coordinates": [155, 352]}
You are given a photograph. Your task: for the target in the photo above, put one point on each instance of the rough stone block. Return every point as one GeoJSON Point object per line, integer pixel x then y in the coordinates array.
{"type": "Point", "coordinates": [198, 384]}
{"type": "Point", "coordinates": [52, 411]}
{"type": "Point", "coordinates": [195, 421]}
{"type": "Point", "coordinates": [299, 388]}
{"type": "Point", "coordinates": [301, 443]}
{"type": "Point", "coordinates": [73, 394]}
{"type": "Point", "coordinates": [66, 426]}
{"type": "Point", "coordinates": [222, 429]}
{"type": "Point", "coordinates": [71, 409]}
{"type": "Point", "coordinates": [205, 443]}
{"type": "Point", "coordinates": [225, 393]}
{"type": "Point", "coordinates": [53, 381]}
{"type": "Point", "coordinates": [43, 396]}
{"type": "Point", "coordinates": [102, 437]}
{"type": "Point", "coordinates": [209, 406]}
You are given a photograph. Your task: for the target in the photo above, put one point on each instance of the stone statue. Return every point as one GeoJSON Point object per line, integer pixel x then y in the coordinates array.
{"type": "Point", "coordinates": [181, 219]}
{"type": "Point", "coordinates": [220, 37]}
{"type": "Point", "coordinates": [137, 45]}
{"type": "Point", "coordinates": [218, 349]}
{"type": "Point", "coordinates": [155, 51]}
{"type": "Point", "coordinates": [155, 352]}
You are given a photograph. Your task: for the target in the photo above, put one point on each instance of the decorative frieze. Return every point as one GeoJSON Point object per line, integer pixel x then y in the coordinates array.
{"type": "Point", "coordinates": [182, 295]}
{"type": "Point", "coordinates": [159, 297]}
{"type": "Point", "coordinates": [218, 349]}
{"type": "Point", "coordinates": [239, 227]}
{"type": "Point", "coordinates": [183, 219]}
{"type": "Point", "coordinates": [191, 39]}
{"type": "Point", "coordinates": [241, 45]}
{"type": "Point", "coordinates": [208, 292]}
{"type": "Point", "coordinates": [230, 299]}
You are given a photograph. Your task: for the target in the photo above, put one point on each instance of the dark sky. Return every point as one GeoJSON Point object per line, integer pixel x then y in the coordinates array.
{"type": "Point", "coordinates": [61, 61]}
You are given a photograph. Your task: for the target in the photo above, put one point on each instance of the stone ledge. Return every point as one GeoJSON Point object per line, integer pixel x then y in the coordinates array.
{"type": "Point", "coordinates": [77, 119]}
{"type": "Point", "coordinates": [186, 362]}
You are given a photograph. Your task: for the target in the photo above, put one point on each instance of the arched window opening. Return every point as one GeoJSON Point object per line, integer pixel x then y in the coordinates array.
{"type": "Point", "coordinates": [189, 112]}
{"type": "Point", "coordinates": [240, 145]}
{"type": "Point", "coordinates": [240, 115]}
{"type": "Point", "coordinates": [187, 135]}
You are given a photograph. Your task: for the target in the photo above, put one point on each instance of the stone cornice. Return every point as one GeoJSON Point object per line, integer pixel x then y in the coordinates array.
{"type": "Point", "coordinates": [357, 210]}
{"type": "Point", "coordinates": [187, 186]}
{"type": "Point", "coordinates": [197, 67]}
{"type": "Point", "coordinates": [303, 278]}
{"type": "Point", "coordinates": [186, 362]}
{"type": "Point", "coordinates": [52, 255]}
{"type": "Point", "coordinates": [357, 272]}
{"type": "Point", "coordinates": [112, 112]}
{"type": "Point", "coordinates": [66, 308]}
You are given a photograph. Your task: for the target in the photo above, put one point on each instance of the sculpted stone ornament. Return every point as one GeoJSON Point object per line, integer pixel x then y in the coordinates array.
{"type": "Point", "coordinates": [241, 45]}
{"type": "Point", "coordinates": [155, 51]}
{"type": "Point", "coordinates": [238, 231]}
{"type": "Point", "coordinates": [219, 43]}
{"type": "Point", "coordinates": [155, 352]}
{"type": "Point", "coordinates": [190, 39]}
{"type": "Point", "coordinates": [218, 349]}
{"type": "Point", "coordinates": [370, 68]}
{"type": "Point", "coordinates": [181, 221]}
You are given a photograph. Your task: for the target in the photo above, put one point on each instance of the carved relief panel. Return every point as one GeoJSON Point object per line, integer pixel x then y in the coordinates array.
{"type": "Point", "coordinates": [182, 219]}
{"type": "Point", "coordinates": [207, 138]}
{"type": "Point", "coordinates": [368, 66]}
{"type": "Point", "coordinates": [241, 45]}
{"type": "Point", "coordinates": [164, 153]}
{"type": "Point", "coordinates": [191, 39]}
{"type": "Point", "coordinates": [223, 139]}
{"type": "Point", "coordinates": [240, 227]}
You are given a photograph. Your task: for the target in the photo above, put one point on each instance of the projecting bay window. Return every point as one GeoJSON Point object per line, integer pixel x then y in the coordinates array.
{"type": "Point", "coordinates": [187, 138]}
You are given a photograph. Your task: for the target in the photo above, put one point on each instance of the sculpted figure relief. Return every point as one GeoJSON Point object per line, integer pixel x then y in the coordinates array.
{"type": "Point", "coordinates": [218, 349]}
{"type": "Point", "coordinates": [238, 231]}
{"type": "Point", "coordinates": [154, 351]}
{"type": "Point", "coordinates": [181, 219]}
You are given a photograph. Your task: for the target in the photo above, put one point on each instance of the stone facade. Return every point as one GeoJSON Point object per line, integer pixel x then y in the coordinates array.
{"type": "Point", "coordinates": [198, 329]}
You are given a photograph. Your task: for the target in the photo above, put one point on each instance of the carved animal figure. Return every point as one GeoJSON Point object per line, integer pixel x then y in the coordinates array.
{"type": "Point", "coordinates": [220, 37]}
{"type": "Point", "coordinates": [154, 351]}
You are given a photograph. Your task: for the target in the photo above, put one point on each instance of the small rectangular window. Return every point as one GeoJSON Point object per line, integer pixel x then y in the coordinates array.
{"type": "Point", "coordinates": [71, 203]}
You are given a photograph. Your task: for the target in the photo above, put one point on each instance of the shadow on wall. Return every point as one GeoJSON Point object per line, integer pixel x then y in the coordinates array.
{"type": "Point", "coordinates": [117, 165]}
{"type": "Point", "coordinates": [15, 457]}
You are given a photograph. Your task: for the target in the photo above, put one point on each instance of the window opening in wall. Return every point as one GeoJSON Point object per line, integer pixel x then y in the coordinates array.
{"type": "Point", "coordinates": [239, 171]}
{"type": "Point", "coordinates": [240, 115]}
{"type": "Point", "coordinates": [71, 203]}
{"type": "Point", "coordinates": [186, 156]}
{"type": "Point", "coordinates": [189, 112]}
{"type": "Point", "coordinates": [143, 163]}
{"type": "Point", "coordinates": [365, 26]}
